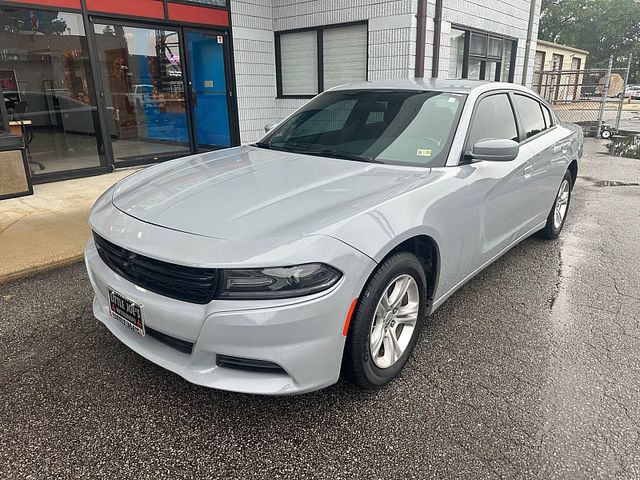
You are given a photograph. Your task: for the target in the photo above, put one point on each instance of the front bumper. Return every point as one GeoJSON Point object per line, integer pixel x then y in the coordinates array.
{"type": "Point", "coordinates": [303, 336]}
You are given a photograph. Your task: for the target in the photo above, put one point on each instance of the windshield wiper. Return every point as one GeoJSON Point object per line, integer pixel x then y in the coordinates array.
{"type": "Point", "coordinates": [344, 155]}
{"type": "Point", "coordinates": [327, 152]}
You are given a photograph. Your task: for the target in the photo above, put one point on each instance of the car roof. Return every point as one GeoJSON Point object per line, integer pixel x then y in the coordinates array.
{"type": "Point", "coordinates": [431, 84]}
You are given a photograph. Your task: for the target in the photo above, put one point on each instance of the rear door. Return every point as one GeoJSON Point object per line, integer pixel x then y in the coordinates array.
{"type": "Point", "coordinates": [548, 150]}
{"type": "Point", "coordinates": [500, 191]}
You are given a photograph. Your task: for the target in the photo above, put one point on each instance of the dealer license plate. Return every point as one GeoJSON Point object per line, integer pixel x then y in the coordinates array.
{"type": "Point", "coordinates": [126, 312]}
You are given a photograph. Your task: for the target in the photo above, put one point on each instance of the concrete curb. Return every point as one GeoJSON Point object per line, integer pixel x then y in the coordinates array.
{"type": "Point", "coordinates": [33, 271]}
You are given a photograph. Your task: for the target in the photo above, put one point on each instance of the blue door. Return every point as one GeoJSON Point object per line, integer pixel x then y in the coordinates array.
{"type": "Point", "coordinates": [208, 89]}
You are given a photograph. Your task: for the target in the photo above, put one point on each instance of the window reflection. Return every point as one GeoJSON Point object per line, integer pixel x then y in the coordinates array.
{"type": "Point", "coordinates": [144, 91]}
{"type": "Point", "coordinates": [47, 87]}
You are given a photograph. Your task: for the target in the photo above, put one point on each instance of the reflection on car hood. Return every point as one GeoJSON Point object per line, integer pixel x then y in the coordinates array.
{"type": "Point", "coordinates": [247, 193]}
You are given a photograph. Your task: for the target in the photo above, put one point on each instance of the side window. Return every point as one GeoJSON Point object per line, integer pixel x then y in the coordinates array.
{"type": "Point", "coordinates": [547, 116]}
{"type": "Point", "coordinates": [493, 119]}
{"type": "Point", "coordinates": [530, 112]}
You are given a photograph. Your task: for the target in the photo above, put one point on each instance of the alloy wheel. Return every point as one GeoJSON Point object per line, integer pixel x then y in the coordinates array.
{"type": "Point", "coordinates": [394, 321]}
{"type": "Point", "coordinates": [562, 204]}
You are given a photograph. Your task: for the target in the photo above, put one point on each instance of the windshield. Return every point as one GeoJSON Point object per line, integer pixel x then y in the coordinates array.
{"type": "Point", "coordinates": [381, 126]}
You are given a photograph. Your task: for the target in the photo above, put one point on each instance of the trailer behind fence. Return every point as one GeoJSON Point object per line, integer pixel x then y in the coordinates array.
{"type": "Point", "coordinates": [592, 98]}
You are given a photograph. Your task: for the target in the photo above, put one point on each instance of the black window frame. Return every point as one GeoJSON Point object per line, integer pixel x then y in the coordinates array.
{"type": "Point", "coordinates": [4, 117]}
{"type": "Point", "coordinates": [466, 150]}
{"type": "Point", "coordinates": [521, 129]}
{"type": "Point", "coordinates": [467, 55]}
{"type": "Point", "coordinates": [319, 55]}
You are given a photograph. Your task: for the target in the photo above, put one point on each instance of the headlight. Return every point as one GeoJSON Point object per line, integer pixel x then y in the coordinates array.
{"type": "Point", "coordinates": [277, 282]}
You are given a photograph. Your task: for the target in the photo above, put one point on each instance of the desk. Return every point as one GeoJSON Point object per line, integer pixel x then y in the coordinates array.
{"type": "Point", "coordinates": [16, 126]}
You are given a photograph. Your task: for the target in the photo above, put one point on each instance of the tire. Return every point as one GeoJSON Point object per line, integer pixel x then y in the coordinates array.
{"type": "Point", "coordinates": [553, 228]}
{"type": "Point", "coordinates": [359, 363]}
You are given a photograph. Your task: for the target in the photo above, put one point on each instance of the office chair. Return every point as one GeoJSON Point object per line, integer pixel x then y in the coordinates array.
{"type": "Point", "coordinates": [18, 114]}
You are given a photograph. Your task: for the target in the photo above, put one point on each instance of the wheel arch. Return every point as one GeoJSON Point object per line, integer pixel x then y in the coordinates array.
{"type": "Point", "coordinates": [427, 250]}
{"type": "Point", "coordinates": [573, 170]}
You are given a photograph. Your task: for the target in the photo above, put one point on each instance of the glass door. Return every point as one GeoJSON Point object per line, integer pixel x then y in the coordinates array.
{"type": "Point", "coordinates": [142, 78]}
{"type": "Point", "coordinates": [206, 53]}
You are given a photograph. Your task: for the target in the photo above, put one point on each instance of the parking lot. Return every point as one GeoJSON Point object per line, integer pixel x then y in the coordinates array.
{"type": "Point", "coordinates": [530, 370]}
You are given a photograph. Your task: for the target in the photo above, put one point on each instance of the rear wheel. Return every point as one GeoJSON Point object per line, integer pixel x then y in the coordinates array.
{"type": "Point", "coordinates": [558, 213]}
{"type": "Point", "coordinates": [386, 322]}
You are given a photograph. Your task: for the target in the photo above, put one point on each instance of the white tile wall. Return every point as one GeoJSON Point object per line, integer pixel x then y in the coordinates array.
{"type": "Point", "coordinates": [392, 49]}
{"type": "Point", "coordinates": [254, 55]}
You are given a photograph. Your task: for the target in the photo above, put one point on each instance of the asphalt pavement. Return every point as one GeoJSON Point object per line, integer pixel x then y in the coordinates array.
{"type": "Point", "coordinates": [531, 370]}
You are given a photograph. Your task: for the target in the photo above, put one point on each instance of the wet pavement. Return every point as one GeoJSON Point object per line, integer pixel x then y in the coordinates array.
{"type": "Point", "coordinates": [531, 370]}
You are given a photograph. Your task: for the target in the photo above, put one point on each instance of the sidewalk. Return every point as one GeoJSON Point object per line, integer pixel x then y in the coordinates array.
{"type": "Point", "coordinates": [48, 228]}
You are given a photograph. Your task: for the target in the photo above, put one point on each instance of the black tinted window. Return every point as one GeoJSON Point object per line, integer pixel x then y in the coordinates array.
{"type": "Point", "coordinates": [530, 113]}
{"type": "Point", "coordinates": [493, 119]}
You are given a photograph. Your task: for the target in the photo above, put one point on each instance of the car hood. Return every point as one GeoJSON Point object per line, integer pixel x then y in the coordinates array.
{"type": "Point", "coordinates": [247, 193]}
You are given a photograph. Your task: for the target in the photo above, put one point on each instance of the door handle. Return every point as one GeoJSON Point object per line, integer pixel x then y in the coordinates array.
{"type": "Point", "coordinates": [527, 170]}
{"type": "Point", "coordinates": [560, 147]}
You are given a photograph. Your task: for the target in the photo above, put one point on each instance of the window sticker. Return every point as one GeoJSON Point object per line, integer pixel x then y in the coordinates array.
{"type": "Point", "coordinates": [423, 152]}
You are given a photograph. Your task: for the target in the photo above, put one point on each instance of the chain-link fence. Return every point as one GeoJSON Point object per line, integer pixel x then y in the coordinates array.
{"type": "Point", "coordinates": [592, 98]}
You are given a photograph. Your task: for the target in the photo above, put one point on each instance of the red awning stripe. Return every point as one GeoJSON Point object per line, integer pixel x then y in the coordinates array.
{"type": "Point", "coordinates": [138, 8]}
{"type": "Point", "coordinates": [195, 14]}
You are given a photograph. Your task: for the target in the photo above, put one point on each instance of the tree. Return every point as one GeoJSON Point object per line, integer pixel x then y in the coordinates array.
{"type": "Point", "coordinates": [603, 27]}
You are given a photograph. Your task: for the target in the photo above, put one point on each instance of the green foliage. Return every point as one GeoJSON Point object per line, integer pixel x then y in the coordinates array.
{"type": "Point", "coordinates": [603, 27]}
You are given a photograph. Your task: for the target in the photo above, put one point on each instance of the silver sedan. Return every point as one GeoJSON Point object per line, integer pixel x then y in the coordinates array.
{"type": "Point", "coordinates": [322, 249]}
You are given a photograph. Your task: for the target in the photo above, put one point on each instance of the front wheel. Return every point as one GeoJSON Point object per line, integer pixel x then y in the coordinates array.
{"type": "Point", "coordinates": [558, 213]}
{"type": "Point", "coordinates": [386, 322]}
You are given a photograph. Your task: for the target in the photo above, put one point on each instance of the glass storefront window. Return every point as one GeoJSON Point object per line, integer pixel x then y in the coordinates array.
{"type": "Point", "coordinates": [456, 55]}
{"type": "Point", "coordinates": [45, 77]}
{"type": "Point", "coordinates": [142, 76]}
{"type": "Point", "coordinates": [495, 47]}
{"type": "Point", "coordinates": [491, 70]}
{"type": "Point", "coordinates": [478, 44]}
{"type": "Point", "coordinates": [480, 56]}
{"type": "Point", "coordinates": [509, 46]}
{"type": "Point", "coordinates": [475, 68]}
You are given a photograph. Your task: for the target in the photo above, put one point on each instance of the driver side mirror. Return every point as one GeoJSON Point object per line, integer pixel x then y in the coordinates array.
{"type": "Point", "coordinates": [495, 150]}
{"type": "Point", "coordinates": [270, 126]}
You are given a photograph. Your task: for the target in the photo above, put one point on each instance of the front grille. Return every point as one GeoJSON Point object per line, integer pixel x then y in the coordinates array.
{"type": "Point", "coordinates": [249, 364]}
{"type": "Point", "coordinates": [180, 345]}
{"type": "Point", "coordinates": [189, 284]}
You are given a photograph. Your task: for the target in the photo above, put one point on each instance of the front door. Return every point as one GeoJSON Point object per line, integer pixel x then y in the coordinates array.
{"type": "Point", "coordinates": [208, 89]}
{"type": "Point", "coordinates": [501, 190]}
{"type": "Point", "coordinates": [143, 91]}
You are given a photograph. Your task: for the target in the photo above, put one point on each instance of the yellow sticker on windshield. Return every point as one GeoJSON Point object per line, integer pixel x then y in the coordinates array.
{"type": "Point", "coordinates": [424, 152]}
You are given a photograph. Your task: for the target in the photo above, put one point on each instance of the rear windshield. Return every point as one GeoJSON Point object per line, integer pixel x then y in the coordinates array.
{"type": "Point", "coordinates": [381, 126]}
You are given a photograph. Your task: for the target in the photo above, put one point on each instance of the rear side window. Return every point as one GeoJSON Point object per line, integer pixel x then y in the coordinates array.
{"type": "Point", "coordinates": [493, 119]}
{"type": "Point", "coordinates": [530, 112]}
